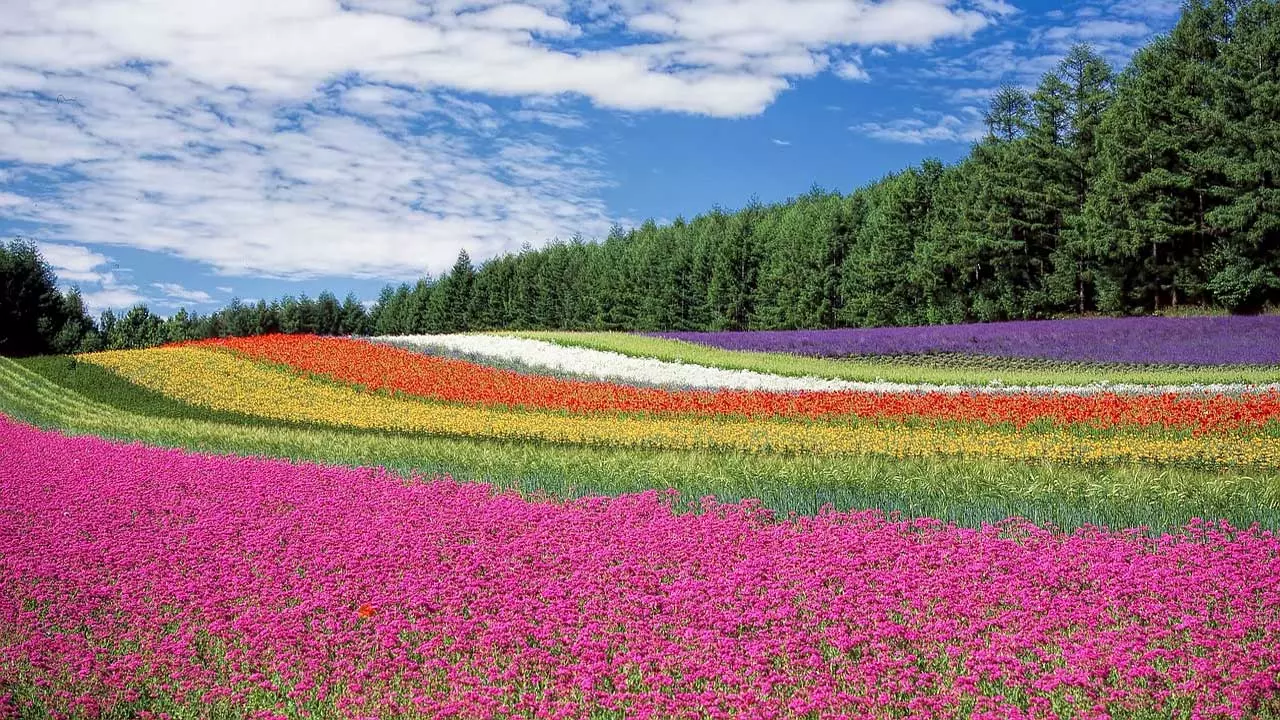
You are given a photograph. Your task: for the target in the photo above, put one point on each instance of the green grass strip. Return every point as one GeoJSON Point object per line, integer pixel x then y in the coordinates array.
{"type": "Point", "coordinates": [896, 369]}
{"type": "Point", "coordinates": [968, 492]}
{"type": "Point", "coordinates": [103, 386]}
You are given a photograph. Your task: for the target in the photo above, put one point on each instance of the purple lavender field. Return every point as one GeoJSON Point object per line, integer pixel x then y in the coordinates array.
{"type": "Point", "coordinates": [1136, 340]}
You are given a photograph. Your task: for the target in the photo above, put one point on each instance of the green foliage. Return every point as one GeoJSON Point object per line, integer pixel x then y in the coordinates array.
{"type": "Point", "coordinates": [136, 329]}
{"type": "Point", "coordinates": [34, 317]}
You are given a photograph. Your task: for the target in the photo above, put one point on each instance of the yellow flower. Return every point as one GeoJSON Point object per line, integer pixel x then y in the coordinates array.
{"type": "Point", "coordinates": [224, 381]}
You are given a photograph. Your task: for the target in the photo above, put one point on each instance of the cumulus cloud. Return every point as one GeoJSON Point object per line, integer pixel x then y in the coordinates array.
{"type": "Point", "coordinates": [705, 56]}
{"type": "Point", "coordinates": [965, 126]}
{"type": "Point", "coordinates": [112, 298]}
{"type": "Point", "coordinates": [1033, 46]}
{"type": "Point", "coordinates": [94, 273]}
{"type": "Point", "coordinates": [852, 70]}
{"type": "Point", "coordinates": [177, 294]}
{"type": "Point", "coordinates": [305, 138]}
{"type": "Point", "coordinates": [75, 263]}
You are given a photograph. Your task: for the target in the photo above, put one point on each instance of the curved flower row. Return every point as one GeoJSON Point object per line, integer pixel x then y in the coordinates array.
{"type": "Point", "coordinates": [381, 367]}
{"type": "Point", "coordinates": [618, 367]}
{"type": "Point", "coordinates": [225, 381]}
{"type": "Point", "coordinates": [1208, 340]}
{"type": "Point", "coordinates": [137, 577]}
{"type": "Point", "coordinates": [611, 366]}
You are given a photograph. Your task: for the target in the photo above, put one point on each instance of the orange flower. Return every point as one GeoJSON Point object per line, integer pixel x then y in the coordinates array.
{"type": "Point", "coordinates": [380, 367]}
{"type": "Point", "coordinates": [367, 611]}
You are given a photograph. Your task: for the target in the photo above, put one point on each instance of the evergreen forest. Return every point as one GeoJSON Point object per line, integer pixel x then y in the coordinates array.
{"type": "Point", "coordinates": [1144, 190]}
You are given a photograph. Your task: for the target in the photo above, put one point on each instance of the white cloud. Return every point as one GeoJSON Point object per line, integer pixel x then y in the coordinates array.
{"type": "Point", "coordinates": [225, 289]}
{"type": "Point", "coordinates": [703, 56]}
{"type": "Point", "coordinates": [1108, 29]}
{"type": "Point", "coordinates": [303, 138]}
{"type": "Point", "coordinates": [9, 200]}
{"type": "Point", "coordinates": [783, 143]}
{"type": "Point", "coordinates": [560, 120]}
{"type": "Point", "coordinates": [112, 298]}
{"type": "Point", "coordinates": [215, 177]}
{"type": "Point", "coordinates": [996, 7]}
{"type": "Point", "coordinates": [1148, 9]}
{"type": "Point", "coordinates": [76, 265]}
{"type": "Point", "coordinates": [852, 70]}
{"type": "Point", "coordinates": [176, 292]}
{"type": "Point", "coordinates": [1114, 37]}
{"type": "Point", "coordinates": [965, 126]}
{"type": "Point", "coordinates": [514, 17]}
{"type": "Point", "coordinates": [972, 95]}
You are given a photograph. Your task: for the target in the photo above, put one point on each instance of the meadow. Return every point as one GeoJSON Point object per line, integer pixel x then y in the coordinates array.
{"type": "Point", "coordinates": [836, 524]}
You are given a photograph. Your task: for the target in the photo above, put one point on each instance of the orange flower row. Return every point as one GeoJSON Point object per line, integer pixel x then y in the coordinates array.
{"type": "Point", "coordinates": [381, 367]}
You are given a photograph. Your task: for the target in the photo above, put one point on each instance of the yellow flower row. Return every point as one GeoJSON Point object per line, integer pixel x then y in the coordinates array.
{"type": "Point", "coordinates": [225, 381]}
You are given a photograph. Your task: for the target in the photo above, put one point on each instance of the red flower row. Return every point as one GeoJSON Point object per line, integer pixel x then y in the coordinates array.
{"type": "Point", "coordinates": [381, 367]}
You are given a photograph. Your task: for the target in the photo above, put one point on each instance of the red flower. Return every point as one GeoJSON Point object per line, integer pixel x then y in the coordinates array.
{"type": "Point", "coordinates": [367, 611]}
{"type": "Point", "coordinates": [380, 367]}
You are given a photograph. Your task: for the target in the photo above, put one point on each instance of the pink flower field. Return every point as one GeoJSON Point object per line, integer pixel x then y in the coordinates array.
{"type": "Point", "coordinates": [151, 583]}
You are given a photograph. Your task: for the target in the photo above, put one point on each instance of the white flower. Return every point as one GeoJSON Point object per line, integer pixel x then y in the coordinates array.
{"type": "Point", "coordinates": [543, 356]}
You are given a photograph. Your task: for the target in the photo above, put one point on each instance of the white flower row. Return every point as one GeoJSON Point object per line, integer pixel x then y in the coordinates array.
{"type": "Point", "coordinates": [540, 355]}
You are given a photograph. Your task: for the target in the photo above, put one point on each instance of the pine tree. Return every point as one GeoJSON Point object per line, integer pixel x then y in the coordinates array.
{"type": "Point", "coordinates": [1243, 266]}
{"type": "Point", "coordinates": [734, 267]}
{"type": "Point", "coordinates": [31, 309]}
{"type": "Point", "coordinates": [354, 318]}
{"type": "Point", "coordinates": [137, 329]}
{"type": "Point", "coordinates": [1153, 193]}
{"type": "Point", "coordinates": [1079, 257]}
{"type": "Point", "coordinates": [457, 300]}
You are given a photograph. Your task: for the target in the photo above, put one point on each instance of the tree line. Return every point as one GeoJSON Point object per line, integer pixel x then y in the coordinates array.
{"type": "Point", "coordinates": [37, 319]}
{"type": "Point", "coordinates": [1139, 191]}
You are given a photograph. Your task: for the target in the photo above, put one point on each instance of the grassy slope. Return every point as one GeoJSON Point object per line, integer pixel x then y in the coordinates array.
{"type": "Point", "coordinates": [966, 491]}
{"type": "Point", "coordinates": [896, 369]}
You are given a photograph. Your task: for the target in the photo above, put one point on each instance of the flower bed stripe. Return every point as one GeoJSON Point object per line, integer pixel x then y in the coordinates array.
{"type": "Point", "coordinates": [381, 367]}
{"type": "Point", "coordinates": [969, 491]}
{"type": "Point", "coordinates": [138, 580]}
{"type": "Point", "coordinates": [1213, 340]}
{"type": "Point", "coordinates": [1212, 379]}
{"type": "Point", "coordinates": [224, 381]}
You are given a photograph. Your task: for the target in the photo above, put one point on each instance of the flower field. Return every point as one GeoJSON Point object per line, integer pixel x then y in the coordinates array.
{"type": "Point", "coordinates": [187, 585]}
{"type": "Point", "coordinates": [379, 367]}
{"type": "Point", "coordinates": [226, 381]}
{"type": "Point", "coordinates": [605, 525]}
{"type": "Point", "coordinates": [1139, 340]}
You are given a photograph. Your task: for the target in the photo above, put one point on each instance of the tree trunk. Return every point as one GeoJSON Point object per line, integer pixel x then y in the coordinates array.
{"type": "Point", "coordinates": [1080, 275]}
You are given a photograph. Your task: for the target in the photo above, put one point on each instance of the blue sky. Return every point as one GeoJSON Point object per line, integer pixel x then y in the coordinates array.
{"type": "Point", "coordinates": [184, 153]}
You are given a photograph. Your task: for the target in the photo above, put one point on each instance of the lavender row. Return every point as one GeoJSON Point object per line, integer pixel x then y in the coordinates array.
{"type": "Point", "coordinates": [1226, 340]}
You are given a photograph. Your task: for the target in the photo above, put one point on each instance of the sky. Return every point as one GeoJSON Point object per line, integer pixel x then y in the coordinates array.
{"type": "Point", "coordinates": [180, 154]}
